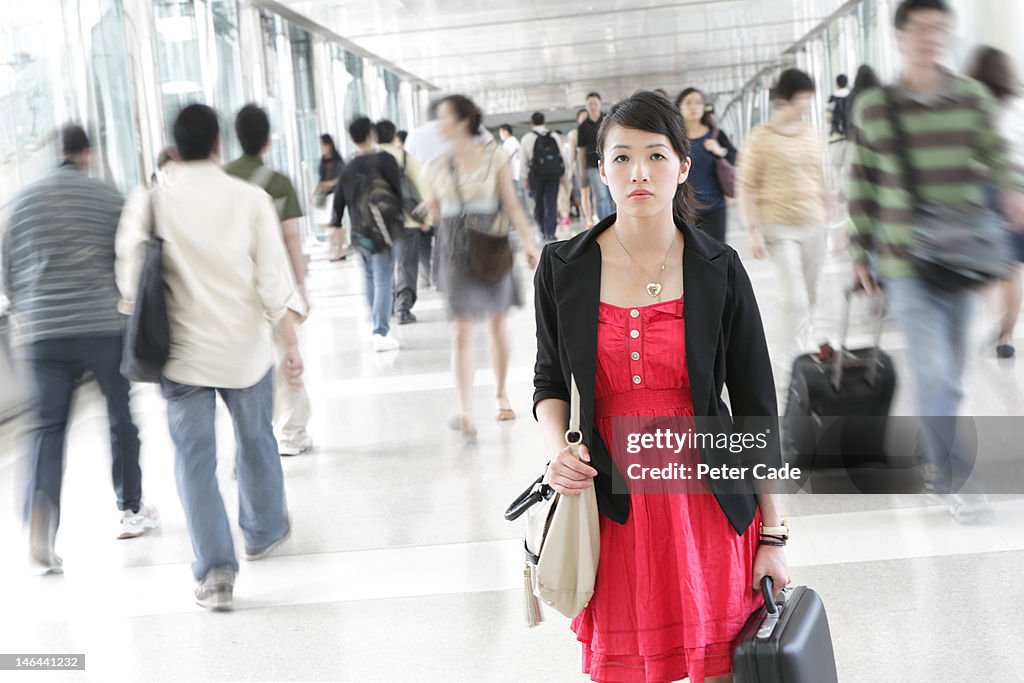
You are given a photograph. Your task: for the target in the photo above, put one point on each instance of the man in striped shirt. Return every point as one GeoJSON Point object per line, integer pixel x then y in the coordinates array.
{"type": "Point", "coordinates": [950, 133]}
{"type": "Point", "coordinates": [58, 273]}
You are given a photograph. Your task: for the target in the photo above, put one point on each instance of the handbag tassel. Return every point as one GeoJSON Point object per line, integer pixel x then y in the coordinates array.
{"type": "Point", "coordinates": [533, 613]}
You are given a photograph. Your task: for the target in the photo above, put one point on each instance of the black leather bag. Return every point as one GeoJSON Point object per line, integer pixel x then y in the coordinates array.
{"type": "Point", "coordinates": [786, 641]}
{"type": "Point", "coordinates": [147, 340]}
{"type": "Point", "coordinates": [954, 247]}
{"type": "Point", "coordinates": [488, 248]}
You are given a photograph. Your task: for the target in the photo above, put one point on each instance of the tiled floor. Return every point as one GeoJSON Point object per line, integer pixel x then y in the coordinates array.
{"type": "Point", "coordinates": [401, 567]}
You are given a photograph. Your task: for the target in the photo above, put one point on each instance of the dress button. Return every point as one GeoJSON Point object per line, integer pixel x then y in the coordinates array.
{"type": "Point", "coordinates": [634, 333]}
{"type": "Point", "coordinates": [636, 379]}
{"type": "Point", "coordinates": [634, 313]}
{"type": "Point", "coordinates": [635, 355]}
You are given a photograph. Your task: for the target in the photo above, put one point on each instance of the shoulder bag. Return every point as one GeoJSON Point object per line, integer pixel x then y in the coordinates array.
{"type": "Point", "coordinates": [724, 171]}
{"type": "Point", "coordinates": [563, 537]}
{"type": "Point", "coordinates": [147, 341]}
{"type": "Point", "coordinates": [488, 249]}
{"type": "Point", "coordinates": [954, 247]}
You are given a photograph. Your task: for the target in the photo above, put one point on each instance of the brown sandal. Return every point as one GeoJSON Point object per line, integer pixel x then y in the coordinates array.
{"type": "Point", "coordinates": [505, 415]}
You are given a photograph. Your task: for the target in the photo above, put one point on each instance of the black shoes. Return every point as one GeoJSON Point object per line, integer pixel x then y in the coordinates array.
{"type": "Point", "coordinates": [406, 317]}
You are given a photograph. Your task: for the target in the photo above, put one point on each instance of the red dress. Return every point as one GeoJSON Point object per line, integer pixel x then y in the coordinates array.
{"type": "Point", "coordinates": [673, 582]}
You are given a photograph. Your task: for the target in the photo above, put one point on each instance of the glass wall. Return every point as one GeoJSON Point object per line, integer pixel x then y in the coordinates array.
{"type": "Point", "coordinates": [181, 75]}
{"type": "Point", "coordinates": [228, 96]}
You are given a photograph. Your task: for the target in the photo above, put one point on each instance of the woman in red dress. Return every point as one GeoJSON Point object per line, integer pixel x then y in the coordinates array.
{"type": "Point", "coordinates": [679, 572]}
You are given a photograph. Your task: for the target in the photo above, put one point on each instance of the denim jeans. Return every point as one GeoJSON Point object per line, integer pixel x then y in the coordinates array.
{"type": "Point", "coordinates": [545, 204]}
{"type": "Point", "coordinates": [380, 286]}
{"type": "Point", "coordinates": [407, 271]}
{"type": "Point", "coordinates": [934, 323]}
{"type": "Point", "coordinates": [57, 365]}
{"type": "Point", "coordinates": [602, 197]}
{"type": "Point", "coordinates": [262, 511]}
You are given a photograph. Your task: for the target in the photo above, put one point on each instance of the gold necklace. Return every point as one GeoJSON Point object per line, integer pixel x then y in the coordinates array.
{"type": "Point", "coordinates": [654, 286]}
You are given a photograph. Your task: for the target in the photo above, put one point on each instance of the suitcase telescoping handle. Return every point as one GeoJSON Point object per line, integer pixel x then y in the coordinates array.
{"type": "Point", "coordinates": [837, 358]}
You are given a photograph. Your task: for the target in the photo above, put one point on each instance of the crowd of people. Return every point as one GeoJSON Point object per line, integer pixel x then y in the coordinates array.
{"type": "Point", "coordinates": [448, 205]}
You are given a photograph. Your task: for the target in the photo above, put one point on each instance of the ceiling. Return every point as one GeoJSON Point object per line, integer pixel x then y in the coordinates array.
{"type": "Point", "coordinates": [516, 55]}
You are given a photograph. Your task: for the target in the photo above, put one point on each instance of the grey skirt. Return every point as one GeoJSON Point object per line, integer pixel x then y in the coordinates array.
{"type": "Point", "coordinates": [467, 296]}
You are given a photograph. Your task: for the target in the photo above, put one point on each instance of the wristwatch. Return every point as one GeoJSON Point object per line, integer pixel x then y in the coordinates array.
{"type": "Point", "coordinates": [782, 530]}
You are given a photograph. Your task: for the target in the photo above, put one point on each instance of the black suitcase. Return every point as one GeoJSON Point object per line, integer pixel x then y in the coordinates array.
{"type": "Point", "coordinates": [837, 407]}
{"type": "Point", "coordinates": [790, 644]}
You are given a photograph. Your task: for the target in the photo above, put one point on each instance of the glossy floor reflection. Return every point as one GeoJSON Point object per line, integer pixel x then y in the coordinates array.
{"type": "Point", "coordinates": [401, 568]}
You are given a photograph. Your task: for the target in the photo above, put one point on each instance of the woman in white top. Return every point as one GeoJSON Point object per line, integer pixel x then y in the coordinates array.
{"type": "Point", "coordinates": [994, 69]}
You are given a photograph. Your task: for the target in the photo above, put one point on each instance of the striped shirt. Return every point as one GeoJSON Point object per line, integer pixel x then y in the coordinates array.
{"type": "Point", "coordinates": [955, 147]}
{"type": "Point", "coordinates": [58, 257]}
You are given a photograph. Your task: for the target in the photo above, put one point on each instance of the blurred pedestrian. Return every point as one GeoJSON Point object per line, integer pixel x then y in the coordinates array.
{"type": "Point", "coordinates": [838, 102]}
{"type": "Point", "coordinates": [513, 150]}
{"type": "Point", "coordinates": [579, 170]}
{"type": "Point", "coordinates": [707, 146]}
{"type": "Point", "coordinates": [782, 192]}
{"type": "Point", "coordinates": [473, 192]}
{"type": "Point", "coordinates": [165, 161]}
{"type": "Point", "coordinates": [228, 282]}
{"type": "Point", "coordinates": [544, 166]}
{"type": "Point", "coordinates": [331, 165]}
{"type": "Point", "coordinates": [588, 157]}
{"type": "Point", "coordinates": [933, 316]}
{"type": "Point", "coordinates": [292, 411]}
{"type": "Point", "coordinates": [58, 274]}
{"type": "Point", "coordinates": [994, 69]}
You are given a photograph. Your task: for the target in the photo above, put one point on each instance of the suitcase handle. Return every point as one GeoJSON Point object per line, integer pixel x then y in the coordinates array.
{"type": "Point", "coordinates": [837, 357]}
{"type": "Point", "coordinates": [768, 591]}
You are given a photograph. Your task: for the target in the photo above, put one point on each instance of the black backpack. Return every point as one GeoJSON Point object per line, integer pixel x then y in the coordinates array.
{"type": "Point", "coordinates": [547, 162]}
{"type": "Point", "coordinates": [381, 220]}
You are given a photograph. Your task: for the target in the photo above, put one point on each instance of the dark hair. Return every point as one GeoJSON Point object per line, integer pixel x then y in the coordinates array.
{"type": "Point", "coordinates": [906, 7]}
{"type": "Point", "coordinates": [326, 139]}
{"type": "Point", "coordinates": [791, 83]}
{"type": "Point", "coordinates": [581, 111]}
{"type": "Point", "coordinates": [649, 111]}
{"type": "Point", "coordinates": [359, 130]}
{"type": "Point", "coordinates": [506, 127]}
{"type": "Point", "coordinates": [195, 132]}
{"type": "Point", "coordinates": [402, 135]}
{"type": "Point", "coordinates": [686, 93]}
{"type": "Point", "coordinates": [73, 139]}
{"type": "Point", "coordinates": [386, 131]}
{"type": "Point", "coordinates": [993, 69]}
{"type": "Point", "coordinates": [537, 119]}
{"type": "Point", "coordinates": [842, 81]}
{"type": "Point", "coordinates": [593, 94]}
{"type": "Point", "coordinates": [167, 155]}
{"type": "Point", "coordinates": [465, 109]}
{"type": "Point", "coordinates": [865, 78]}
{"type": "Point", "coordinates": [252, 126]}
{"type": "Point", "coordinates": [662, 92]}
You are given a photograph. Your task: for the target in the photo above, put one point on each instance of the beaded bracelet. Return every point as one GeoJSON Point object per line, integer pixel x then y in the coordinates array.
{"type": "Point", "coordinates": [772, 540]}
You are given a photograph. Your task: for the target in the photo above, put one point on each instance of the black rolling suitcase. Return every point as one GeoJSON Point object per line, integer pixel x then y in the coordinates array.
{"type": "Point", "coordinates": [838, 403]}
{"type": "Point", "coordinates": [788, 644]}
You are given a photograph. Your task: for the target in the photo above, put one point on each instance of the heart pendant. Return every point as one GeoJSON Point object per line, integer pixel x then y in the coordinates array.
{"type": "Point", "coordinates": [653, 289]}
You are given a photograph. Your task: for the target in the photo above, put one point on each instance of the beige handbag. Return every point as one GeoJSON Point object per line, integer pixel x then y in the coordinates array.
{"type": "Point", "coordinates": [563, 539]}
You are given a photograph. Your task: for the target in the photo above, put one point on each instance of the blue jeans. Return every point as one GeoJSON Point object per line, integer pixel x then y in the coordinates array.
{"type": "Point", "coordinates": [262, 511]}
{"type": "Point", "coordinates": [934, 323]}
{"type": "Point", "coordinates": [57, 366]}
{"type": "Point", "coordinates": [602, 197]}
{"type": "Point", "coordinates": [380, 286]}
{"type": "Point", "coordinates": [545, 204]}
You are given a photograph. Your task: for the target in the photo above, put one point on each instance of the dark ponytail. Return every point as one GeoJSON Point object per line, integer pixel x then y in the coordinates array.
{"type": "Point", "coordinates": [465, 110]}
{"type": "Point", "coordinates": [649, 111]}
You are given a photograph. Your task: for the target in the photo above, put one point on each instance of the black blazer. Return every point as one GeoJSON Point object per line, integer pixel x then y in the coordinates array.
{"type": "Point", "coordinates": [725, 346]}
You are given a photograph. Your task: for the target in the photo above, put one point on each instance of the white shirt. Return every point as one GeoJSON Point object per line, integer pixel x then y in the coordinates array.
{"type": "Point", "coordinates": [226, 269]}
{"type": "Point", "coordinates": [426, 142]}
{"type": "Point", "coordinates": [512, 147]}
{"type": "Point", "coordinates": [530, 139]}
{"type": "Point", "coordinates": [1012, 128]}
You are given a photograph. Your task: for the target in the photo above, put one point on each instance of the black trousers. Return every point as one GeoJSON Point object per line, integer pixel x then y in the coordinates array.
{"type": "Point", "coordinates": [713, 223]}
{"type": "Point", "coordinates": [545, 204]}
{"type": "Point", "coordinates": [57, 365]}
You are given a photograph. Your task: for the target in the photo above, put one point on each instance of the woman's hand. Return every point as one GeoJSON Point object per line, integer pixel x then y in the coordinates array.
{"type": "Point", "coordinates": [532, 258]}
{"type": "Point", "coordinates": [570, 476]}
{"type": "Point", "coordinates": [771, 561]}
{"type": "Point", "coordinates": [714, 147]}
{"type": "Point", "coordinates": [757, 245]}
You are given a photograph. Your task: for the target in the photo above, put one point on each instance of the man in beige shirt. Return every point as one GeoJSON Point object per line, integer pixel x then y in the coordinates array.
{"type": "Point", "coordinates": [228, 282]}
{"type": "Point", "coordinates": [406, 249]}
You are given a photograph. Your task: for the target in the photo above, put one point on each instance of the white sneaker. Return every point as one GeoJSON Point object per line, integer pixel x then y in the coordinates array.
{"type": "Point", "coordinates": [134, 524]}
{"type": "Point", "coordinates": [294, 448]}
{"type": "Point", "coordinates": [384, 343]}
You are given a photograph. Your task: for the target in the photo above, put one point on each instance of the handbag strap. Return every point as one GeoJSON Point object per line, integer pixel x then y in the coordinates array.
{"type": "Point", "coordinates": [574, 414]}
{"type": "Point", "coordinates": [456, 185]}
{"type": "Point", "coordinates": [152, 213]}
{"type": "Point", "coordinates": [899, 135]}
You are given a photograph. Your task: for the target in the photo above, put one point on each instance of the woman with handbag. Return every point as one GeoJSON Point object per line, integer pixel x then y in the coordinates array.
{"type": "Point", "coordinates": [475, 198]}
{"type": "Point", "coordinates": [678, 573]}
{"type": "Point", "coordinates": [709, 148]}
